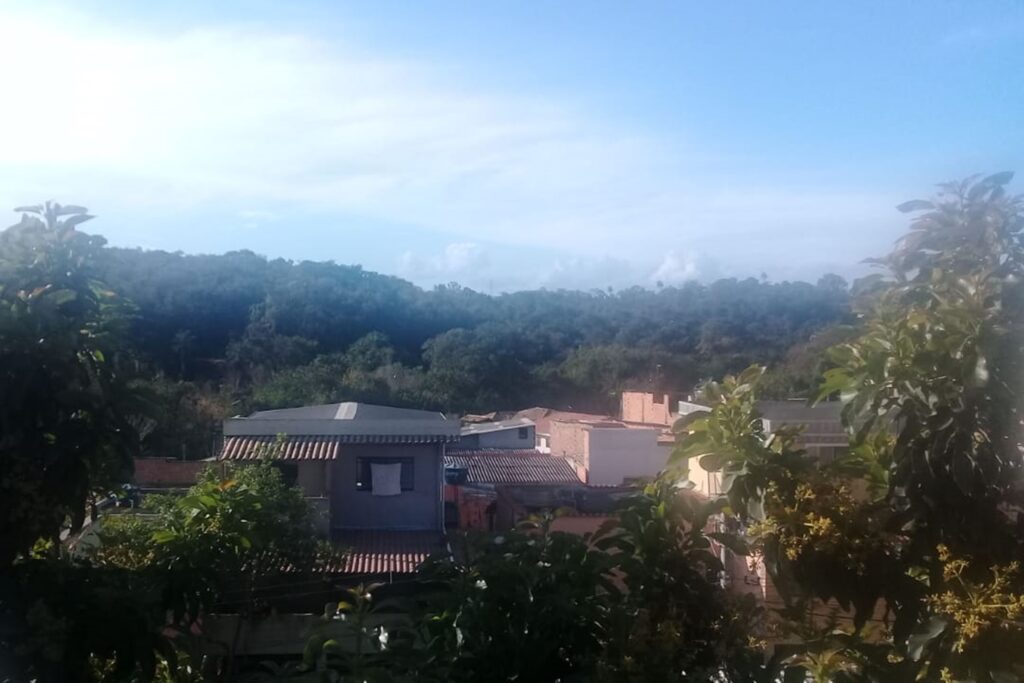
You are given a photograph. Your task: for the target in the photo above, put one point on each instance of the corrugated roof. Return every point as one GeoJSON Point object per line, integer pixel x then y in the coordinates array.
{"type": "Point", "coordinates": [383, 552]}
{"type": "Point", "coordinates": [291, 448]}
{"type": "Point", "coordinates": [324, 447]}
{"type": "Point", "coordinates": [496, 426]}
{"type": "Point", "coordinates": [512, 466]}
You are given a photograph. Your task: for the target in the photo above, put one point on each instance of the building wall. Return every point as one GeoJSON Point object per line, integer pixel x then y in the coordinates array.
{"type": "Point", "coordinates": [579, 524]}
{"type": "Point", "coordinates": [619, 454]}
{"type": "Point", "coordinates": [506, 438]}
{"type": "Point", "coordinates": [708, 484]}
{"type": "Point", "coordinates": [569, 439]}
{"type": "Point", "coordinates": [157, 472]}
{"type": "Point", "coordinates": [646, 408]}
{"type": "Point", "coordinates": [312, 478]}
{"type": "Point", "coordinates": [416, 509]}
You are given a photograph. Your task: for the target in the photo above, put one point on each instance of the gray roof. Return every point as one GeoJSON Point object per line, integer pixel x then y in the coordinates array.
{"type": "Point", "coordinates": [496, 426]}
{"type": "Point", "coordinates": [343, 418]}
{"type": "Point", "coordinates": [797, 411]}
{"type": "Point", "coordinates": [822, 424]}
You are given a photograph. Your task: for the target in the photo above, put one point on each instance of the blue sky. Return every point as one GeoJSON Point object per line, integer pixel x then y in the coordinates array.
{"type": "Point", "coordinates": [510, 145]}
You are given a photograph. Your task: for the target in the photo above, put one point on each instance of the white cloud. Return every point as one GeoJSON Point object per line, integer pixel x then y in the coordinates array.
{"type": "Point", "coordinates": [675, 269]}
{"type": "Point", "coordinates": [128, 120]}
{"type": "Point", "coordinates": [460, 261]}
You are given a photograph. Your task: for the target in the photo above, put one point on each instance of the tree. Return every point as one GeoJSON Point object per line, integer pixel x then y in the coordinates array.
{"type": "Point", "coordinates": [151, 575]}
{"type": "Point", "coordinates": [523, 606]}
{"type": "Point", "coordinates": [64, 431]}
{"type": "Point", "coordinates": [921, 519]}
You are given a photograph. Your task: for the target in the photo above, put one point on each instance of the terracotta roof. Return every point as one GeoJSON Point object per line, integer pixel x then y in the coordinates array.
{"type": "Point", "coordinates": [512, 466]}
{"type": "Point", "coordinates": [325, 447]}
{"type": "Point", "coordinates": [383, 552]}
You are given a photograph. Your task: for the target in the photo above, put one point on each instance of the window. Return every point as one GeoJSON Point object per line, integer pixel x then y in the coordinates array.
{"type": "Point", "coordinates": [289, 472]}
{"type": "Point", "coordinates": [524, 432]}
{"type": "Point", "coordinates": [364, 475]}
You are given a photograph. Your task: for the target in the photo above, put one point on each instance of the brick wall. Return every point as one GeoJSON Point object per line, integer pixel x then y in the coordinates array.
{"type": "Point", "coordinates": [157, 472]}
{"type": "Point", "coordinates": [646, 408]}
{"type": "Point", "coordinates": [569, 439]}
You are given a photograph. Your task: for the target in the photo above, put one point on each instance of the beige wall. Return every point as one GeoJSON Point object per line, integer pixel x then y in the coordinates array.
{"type": "Point", "coordinates": [569, 439]}
{"type": "Point", "coordinates": [646, 408]}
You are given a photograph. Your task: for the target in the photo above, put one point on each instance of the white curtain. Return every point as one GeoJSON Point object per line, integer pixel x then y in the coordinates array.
{"type": "Point", "coordinates": [387, 479]}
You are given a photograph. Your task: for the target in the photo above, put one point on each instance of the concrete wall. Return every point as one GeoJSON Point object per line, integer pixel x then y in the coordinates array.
{"type": "Point", "coordinates": [646, 408]}
{"type": "Point", "coordinates": [506, 438]}
{"type": "Point", "coordinates": [619, 454]}
{"type": "Point", "coordinates": [416, 509]}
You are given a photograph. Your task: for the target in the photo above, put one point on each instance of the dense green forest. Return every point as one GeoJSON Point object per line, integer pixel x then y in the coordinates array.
{"type": "Point", "coordinates": [219, 335]}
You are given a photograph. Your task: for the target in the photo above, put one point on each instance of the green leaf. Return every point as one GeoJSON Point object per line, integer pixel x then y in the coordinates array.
{"type": "Point", "coordinates": [924, 634]}
{"type": "Point", "coordinates": [164, 535]}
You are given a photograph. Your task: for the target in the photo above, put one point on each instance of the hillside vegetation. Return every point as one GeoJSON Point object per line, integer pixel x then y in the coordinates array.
{"type": "Point", "coordinates": [226, 334]}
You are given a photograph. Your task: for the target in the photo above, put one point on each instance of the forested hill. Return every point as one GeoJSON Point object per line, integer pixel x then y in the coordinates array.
{"type": "Point", "coordinates": [246, 332]}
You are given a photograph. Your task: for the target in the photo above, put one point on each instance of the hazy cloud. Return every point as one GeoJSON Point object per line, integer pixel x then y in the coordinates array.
{"type": "Point", "coordinates": [242, 119]}
{"type": "Point", "coordinates": [459, 261]}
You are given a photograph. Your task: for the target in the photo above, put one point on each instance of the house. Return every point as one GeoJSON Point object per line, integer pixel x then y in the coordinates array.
{"type": "Point", "coordinates": [822, 433]}
{"type": "Point", "coordinates": [476, 476]}
{"type": "Point", "coordinates": [543, 417]}
{"type": "Point", "coordinates": [516, 432]}
{"type": "Point", "coordinates": [644, 407]}
{"type": "Point", "coordinates": [374, 473]}
{"type": "Point", "coordinates": [822, 430]}
{"type": "Point", "coordinates": [610, 453]}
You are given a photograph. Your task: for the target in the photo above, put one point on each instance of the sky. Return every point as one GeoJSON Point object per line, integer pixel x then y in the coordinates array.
{"type": "Point", "coordinates": [510, 145]}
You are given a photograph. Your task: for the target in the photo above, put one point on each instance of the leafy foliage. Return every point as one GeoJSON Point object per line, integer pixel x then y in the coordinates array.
{"type": "Point", "coordinates": [64, 429]}
{"type": "Point", "coordinates": [241, 526]}
{"type": "Point", "coordinates": [922, 518]}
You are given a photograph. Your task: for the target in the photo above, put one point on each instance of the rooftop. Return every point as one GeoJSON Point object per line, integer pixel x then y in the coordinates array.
{"type": "Point", "coordinates": [496, 426]}
{"type": "Point", "coordinates": [542, 417]}
{"type": "Point", "coordinates": [798, 411]}
{"type": "Point", "coordinates": [373, 552]}
{"type": "Point", "coordinates": [346, 420]}
{"type": "Point", "coordinates": [512, 466]}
